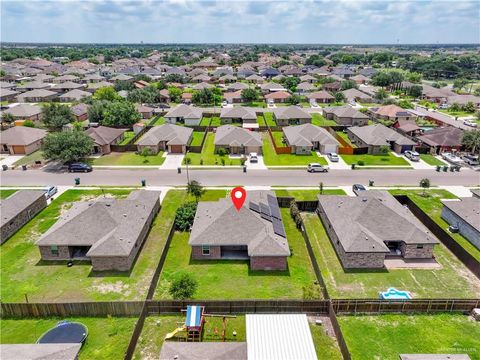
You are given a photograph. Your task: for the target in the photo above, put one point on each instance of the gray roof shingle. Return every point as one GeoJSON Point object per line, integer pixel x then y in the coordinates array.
{"type": "Point", "coordinates": [21, 135]}
{"type": "Point", "coordinates": [172, 134]}
{"type": "Point", "coordinates": [228, 135]}
{"type": "Point", "coordinates": [468, 209]}
{"type": "Point", "coordinates": [379, 134]}
{"type": "Point", "coordinates": [16, 203]}
{"type": "Point", "coordinates": [306, 134]}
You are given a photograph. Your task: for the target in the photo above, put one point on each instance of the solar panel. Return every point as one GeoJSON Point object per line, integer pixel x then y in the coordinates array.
{"type": "Point", "coordinates": [264, 209]}
{"type": "Point", "coordinates": [266, 217]}
{"type": "Point", "coordinates": [254, 207]}
{"type": "Point", "coordinates": [274, 209]}
{"type": "Point", "coordinates": [278, 227]}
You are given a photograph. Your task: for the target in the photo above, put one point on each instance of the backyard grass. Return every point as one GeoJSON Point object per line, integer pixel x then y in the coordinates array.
{"type": "Point", "coordinates": [261, 121]}
{"type": "Point", "coordinates": [127, 137]}
{"type": "Point", "coordinates": [325, 346]}
{"type": "Point", "coordinates": [6, 193]}
{"type": "Point", "coordinates": [205, 121]}
{"type": "Point", "coordinates": [208, 155]}
{"type": "Point", "coordinates": [269, 119]}
{"type": "Point", "coordinates": [270, 157]}
{"type": "Point", "coordinates": [210, 121]}
{"type": "Point", "coordinates": [307, 195]}
{"type": "Point", "coordinates": [431, 160]}
{"type": "Point", "coordinates": [23, 272]}
{"type": "Point", "coordinates": [278, 137]}
{"type": "Point", "coordinates": [197, 138]}
{"type": "Point", "coordinates": [319, 120]}
{"type": "Point", "coordinates": [386, 336]}
{"type": "Point", "coordinates": [129, 159]}
{"type": "Point", "coordinates": [433, 207]}
{"type": "Point", "coordinates": [452, 280]}
{"type": "Point", "coordinates": [159, 121]}
{"type": "Point", "coordinates": [156, 327]}
{"type": "Point", "coordinates": [345, 137]}
{"type": "Point", "coordinates": [30, 159]}
{"type": "Point", "coordinates": [108, 337]}
{"type": "Point", "coordinates": [228, 279]}
{"type": "Point", "coordinates": [375, 160]}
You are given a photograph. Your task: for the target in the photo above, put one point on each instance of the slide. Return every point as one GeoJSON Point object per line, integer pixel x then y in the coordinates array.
{"type": "Point", "coordinates": [174, 332]}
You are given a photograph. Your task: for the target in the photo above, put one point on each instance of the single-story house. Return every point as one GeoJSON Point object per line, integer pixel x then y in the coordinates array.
{"type": "Point", "coordinates": [307, 137]}
{"type": "Point", "coordinates": [115, 233]}
{"type": "Point", "coordinates": [255, 79]}
{"type": "Point", "coordinates": [8, 94]}
{"type": "Point", "coordinates": [74, 95]}
{"type": "Point", "coordinates": [305, 87]}
{"type": "Point", "coordinates": [122, 77]}
{"type": "Point", "coordinates": [80, 111]}
{"type": "Point", "coordinates": [236, 86]}
{"type": "Point", "coordinates": [21, 140]}
{"type": "Point", "coordinates": [375, 136]}
{"type": "Point", "coordinates": [464, 99]}
{"type": "Point", "coordinates": [321, 97]}
{"type": "Point", "coordinates": [164, 95]}
{"type": "Point", "coordinates": [233, 97]}
{"type": "Point", "coordinates": [354, 95]}
{"type": "Point", "coordinates": [237, 140]}
{"type": "Point", "coordinates": [240, 114]}
{"type": "Point", "coordinates": [37, 95]}
{"type": "Point", "coordinates": [367, 229]}
{"type": "Point", "coordinates": [291, 115]}
{"type": "Point", "coordinates": [464, 214]}
{"type": "Point", "coordinates": [442, 139]}
{"type": "Point", "coordinates": [33, 85]}
{"type": "Point", "coordinates": [69, 85]}
{"type": "Point", "coordinates": [92, 78]}
{"type": "Point", "coordinates": [65, 78]}
{"type": "Point", "coordinates": [166, 137]}
{"type": "Point", "coordinates": [225, 79]}
{"type": "Point", "coordinates": [92, 87]}
{"type": "Point", "coordinates": [433, 94]}
{"type": "Point", "coordinates": [308, 78]}
{"type": "Point", "coordinates": [201, 78]}
{"type": "Point", "coordinates": [103, 137]}
{"type": "Point", "coordinates": [185, 114]}
{"type": "Point", "coordinates": [271, 87]}
{"type": "Point", "coordinates": [54, 351]}
{"type": "Point", "coordinates": [278, 96]}
{"type": "Point", "coordinates": [255, 232]}
{"type": "Point", "coordinates": [332, 86]}
{"type": "Point", "coordinates": [25, 112]}
{"type": "Point", "coordinates": [187, 97]}
{"type": "Point", "coordinates": [17, 209]}
{"type": "Point", "coordinates": [360, 79]}
{"type": "Point", "coordinates": [407, 127]}
{"type": "Point", "coordinates": [392, 112]}
{"type": "Point", "coordinates": [345, 115]}
{"type": "Point", "coordinates": [145, 111]}
{"type": "Point", "coordinates": [203, 85]}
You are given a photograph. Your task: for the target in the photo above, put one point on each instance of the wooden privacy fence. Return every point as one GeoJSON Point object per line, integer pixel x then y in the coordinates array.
{"type": "Point", "coordinates": [342, 344]}
{"type": "Point", "coordinates": [285, 201]}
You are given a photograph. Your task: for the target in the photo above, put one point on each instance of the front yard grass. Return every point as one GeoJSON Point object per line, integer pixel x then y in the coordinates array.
{"type": "Point", "coordinates": [375, 160]}
{"type": "Point", "coordinates": [129, 159]}
{"type": "Point", "coordinates": [208, 155]}
{"type": "Point", "coordinates": [308, 195]}
{"type": "Point", "coordinates": [433, 207]}
{"type": "Point", "coordinates": [108, 337]}
{"type": "Point", "coordinates": [386, 336]}
{"type": "Point", "coordinates": [228, 279]}
{"type": "Point", "coordinates": [452, 280]}
{"type": "Point", "coordinates": [432, 160]}
{"type": "Point", "coordinates": [22, 272]}
{"type": "Point", "coordinates": [270, 157]}
{"type": "Point", "coordinates": [6, 193]}
{"type": "Point", "coordinates": [30, 159]}
{"type": "Point", "coordinates": [319, 120]}
{"type": "Point", "coordinates": [159, 121]}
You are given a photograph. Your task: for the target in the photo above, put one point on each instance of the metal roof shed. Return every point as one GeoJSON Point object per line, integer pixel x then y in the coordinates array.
{"type": "Point", "coordinates": [279, 337]}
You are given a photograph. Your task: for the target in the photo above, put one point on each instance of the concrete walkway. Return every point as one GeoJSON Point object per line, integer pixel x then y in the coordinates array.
{"type": "Point", "coordinates": [172, 161]}
{"type": "Point", "coordinates": [9, 160]}
{"type": "Point", "coordinates": [460, 191]}
{"type": "Point", "coordinates": [348, 190]}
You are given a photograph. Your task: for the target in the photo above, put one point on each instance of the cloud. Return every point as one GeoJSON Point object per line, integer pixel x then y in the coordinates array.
{"type": "Point", "coordinates": [187, 21]}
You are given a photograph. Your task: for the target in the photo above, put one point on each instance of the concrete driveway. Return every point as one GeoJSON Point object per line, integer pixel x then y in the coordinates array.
{"type": "Point", "coordinates": [172, 161]}
{"type": "Point", "coordinates": [260, 165]}
{"type": "Point", "coordinates": [9, 160]}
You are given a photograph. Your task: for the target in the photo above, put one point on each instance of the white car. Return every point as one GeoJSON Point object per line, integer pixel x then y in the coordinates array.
{"type": "Point", "coordinates": [253, 158]}
{"type": "Point", "coordinates": [469, 122]}
{"type": "Point", "coordinates": [315, 167]}
{"type": "Point", "coordinates": [50, 191]}
{"type": "Point", "coordinates": [314, 105]}
{"type": "Point", "coordinates": [224, 103]}
{"type": "Point", "coordinates": [444, 106]}
{"type": "Point", "coordinates": [412, 155]}
{"type": "Point", "coordinates": [333, 157]}
{"type": "Point", "coordinates": [451, 158]}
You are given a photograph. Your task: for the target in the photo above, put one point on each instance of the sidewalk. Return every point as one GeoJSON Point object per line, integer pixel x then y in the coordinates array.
{"type": "Point", "coordinates": [9, 160]}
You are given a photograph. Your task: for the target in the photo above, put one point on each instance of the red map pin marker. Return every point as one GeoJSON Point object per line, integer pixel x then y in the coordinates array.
{"type": "Point", "coordinates": [238, 195]}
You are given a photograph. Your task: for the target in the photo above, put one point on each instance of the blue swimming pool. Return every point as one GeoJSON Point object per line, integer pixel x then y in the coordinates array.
{"type": "Point", "coordinates": [394, 294]}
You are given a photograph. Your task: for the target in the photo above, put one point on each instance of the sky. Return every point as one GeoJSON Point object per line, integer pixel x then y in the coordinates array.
{"type": "Point", "coordinates": [244, 21]}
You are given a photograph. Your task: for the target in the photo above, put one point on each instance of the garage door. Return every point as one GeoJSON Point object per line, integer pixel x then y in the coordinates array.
{"type": "Point", "coordinates": [329, 148]}
{"type": "Point", "coordinates": [176, 149]}
{"type": "Point", "coordinates": [18, 149]}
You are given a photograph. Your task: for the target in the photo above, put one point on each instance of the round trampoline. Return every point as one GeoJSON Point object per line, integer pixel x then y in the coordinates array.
{"type": "Point", "coordinates": [65, 332]}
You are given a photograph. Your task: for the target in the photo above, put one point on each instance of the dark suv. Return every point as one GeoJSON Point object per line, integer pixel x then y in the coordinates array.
{"type": "Point", "coordinates": [79, 167]}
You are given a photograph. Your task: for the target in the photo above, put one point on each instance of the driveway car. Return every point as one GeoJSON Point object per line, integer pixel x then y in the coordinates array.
{"type": "Point", "coordinates": [315, 167]}
{"type": "Point", "coordinates": [451, 158]}
{"type": "Point", "coordinates": [358, 188]}
{"type": "Point", "coordinates": [469, 122]}
{"type": "Point", "coordinates": [79, 167]}
{"type": "Point", "coordinates": [412, 155]}
{"type": "Point", "coordinates": [333, 157]}
{"type": "Point", "coordinates": [50, 191]}
{"type": "Point", "coordinates": [471, 159]}
{"type": "Point", "coordinates": [253, 158]}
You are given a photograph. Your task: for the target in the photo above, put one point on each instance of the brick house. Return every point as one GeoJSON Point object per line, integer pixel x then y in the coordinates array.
{"type": "Point", "coordinates": [366, 230]}
{"type": "Point", "coordinates": [103, 137]}
{"type": "Point", "coordinates": [303, 139]}
{"type": "Point", "coordinates": [392, 113]}
{"type": "Point", "coordinates": [21, 140]}
{"type": "Point", "coordinates": [374, 137]}
{"type": "Point", "coordinates": [442, 139]}
{"type": "Point", "coordinates": [116, 231]}
{"type": "Point", "coordinates": [185, 114]}
{"type": "Point", "coordinates": [38, 95]}
{"type": "Point", "coordinates": [278, 96]}
{"type": "Point", "coordinates": [291, 115]}
{"type": "Point", "coordinates": [465, 215]}
{"type": "Point", "coordinates": [253, 233]}
{"type": "Point", "coordinates": [321, 96]}
{"type": "Point", "coordinates": [239, 114]}
{"type": "Point", "coordinates": [18, 209]}
{"type": "Point", "coordinates": [237, 140]}
{"type": "Point", "coordinates": [80, 111]}
{"type": "Point", "coordinates": [25, 112]}
{"type": "Point", "coordinates": [166, 137]}
{"type": "Point", "coordinates": [345, 115]}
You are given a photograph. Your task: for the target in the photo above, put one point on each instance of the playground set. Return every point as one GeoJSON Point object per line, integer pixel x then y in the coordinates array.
{"type": "Point", "coordinates": [192, 328]}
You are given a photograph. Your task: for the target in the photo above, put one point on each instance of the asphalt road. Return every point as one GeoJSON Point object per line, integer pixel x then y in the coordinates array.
{"type": "Point", "coordinates": [155, 177]}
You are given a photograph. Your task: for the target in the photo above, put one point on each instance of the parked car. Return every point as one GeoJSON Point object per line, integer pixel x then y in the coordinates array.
{"type": "Point", "coordinates": [314, 104]}
{"type": "Point", "coordinates": [333, 157]}
{"type": "Point", "coordinates": [471, 159]}
{"type": "Point", "coordinates": [315, 167]}
{"type": "Point", "coordinates": [224, 103]}
{"type": "Point", "coordinates": [412, 155]}
{"type": "Point", "coordinates": [469, 122]}
{"type": "Point", "coordinates": [444, 106]}
{"type": "Point", "coordinates": [50, 191]}
{"type": "Point", "coordinates": [79, 167]}
{"type": "Point", "coordinates": [253, 158]}
{"type": "Point", "coordinates": [357, 188]}
{"type": "Point", "coordinates": [451, 158]}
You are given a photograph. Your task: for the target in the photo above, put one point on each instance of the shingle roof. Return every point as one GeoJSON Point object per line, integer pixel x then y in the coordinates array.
{"type": "Point", "coordinates": [237, 86]}
{"type": "Point", "coordinates": [468, 209]}
{"type": "Point", "coordinates": [37, 93]}
{"type": "Point", "coordinates": [364, 223]}
{"type": "Point", "coordinates": [445, 136]}
{"type": "Point", "coordinates": [172, 134]}
{"type": "Point", "coordinates": [305, 86]}
{"type": "Point", "coordinates": [68, 85]}
{"type": "Point", "coordinates": [21, 135]}
{"type": "Point", "coordinates": [322, 94]}
{"type": "Point", "coordinates": [24, 110]}
{"type": "Point", "coordinates": [114, 225]}
{"type": "Point", "coordinates": [239, 112]}
{"type": "Point", "coordinates": [353, 94]}
{"type": "Point", "coordinates": [204, 350]}
{"type": "Point", "coordinates": [278, 95]}
{"type": "Point", "coordinates": [79, 109]}
{"type": "Point", "coordinates": [16, 203]}
{"type": "Point", "coordinates": [219, 223]}
{"type": "Point", "coordinates": [34, 85]}
{"type": "Point", "coordinates": [61, 351]}
{"type": "Point", "coordinates": [104, 135]}
{"type": "Point", "coordinates": [345, 112]}
{"type": "Point", "coordinates": [306, 134]}
{"type": "Point", "coordinates": [271, 86]}
{"type": "Point", "coordinates": [379, 134]}
{"type": "Point", "coordinates": [76, 94]}
{"type": "Point", "coordinates": [291, 112]}
{"type": "Point", "coordinates": [228, 135]}
{"type": "Point", "coordinates": [185, 111]}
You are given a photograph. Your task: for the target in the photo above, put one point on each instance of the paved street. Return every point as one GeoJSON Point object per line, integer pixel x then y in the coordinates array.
{"type": "Point", "coordinates": [156, 177]}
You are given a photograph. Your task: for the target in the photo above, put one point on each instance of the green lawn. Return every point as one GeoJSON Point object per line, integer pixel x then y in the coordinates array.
{"type": "Point", "coordinates": [319, 120]}
{"type": "Point", "coordinates": [456, 113]}
{"type": "Point", "coordinates": [433, 207]}
{"type": "Point", "coordinates": [270, 157]}
{"type": "Point", "coordinates": [205, 121]}
{"type": "Point", "coordinates": [159, 121]}
{"type": "Point", "coordinates": [197, 138]}
{"type": "Point", "coordinates": [6, 193]}
{"type": "Point", "coordinates": [210, 121]}
{"type": "Point", "coordinates": [260, 104]}
{"type": "Point", "coordinates": [307, 195]}
{"type": "Point", "coordinates": [23, 272]}
{"type": "Point", "coordinates": [345, 137]}
{"type": "Point", "coordinates": [156, 327]}
{"type": "Point", "coordinates": [278, 137]}
{"type": "Point", "coordinates": [261, 121]}
{"type": "Point", "coordinates": [325, 346]}
{"type": "Point", "coordinates": [228, 279]}
{"type": "Point", "coordinates": [375, 160]}
{"type": "Point", "coordinates": [30, 159]}
{"type": "Point", "coordinates": [108, 337]}
{"type": "Point", "coordinates": [386, 336]}
{"type": "Point", "coordinates": [453, 280]}
{"type": "Point", "coordinates": [208, 155]}
{"type": "Point", "coordinates": [269, 119]}
{"type": "Point", "coordinates": [129, 159]}
{"type": "Point", "coordinates": [127, 137]}
{"type": "Point", "coordinates": [431, 160]}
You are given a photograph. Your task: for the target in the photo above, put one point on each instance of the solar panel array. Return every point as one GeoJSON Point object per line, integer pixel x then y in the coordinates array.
{"type": "Point", "coordinates": [278, 227]}
{"type": "Point", "coordinates": [265, 211]}
{"type": "Point", "coordinates": [273, 205]}
{"type": "Point", "coordinates": [253, 206]}
{"type": "Point", "coordinates": [270, 212]}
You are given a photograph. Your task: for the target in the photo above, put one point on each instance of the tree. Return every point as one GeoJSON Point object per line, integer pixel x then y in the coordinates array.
{"type": "Point", "coordinates": [120, 113]}
{"type": "Point", "coordinates": [149, 95]}
{"type": "Point", "coordinates": [339, 97]}
{"type": "Point", "coordinates": [381, 79]}
{"type": "Point", "coordinates": [96, 111]}
{"type": "Point", "coordinates": [476, 92]}
{"type": "Point", "coordinates": [414, 77]}
{"type": "Point", "coordinates": [471, 140]}
{"type": "Point", "coordinates": [425, 184]}
{"type": "Point", "coordinates": [294, 99]}
{"type": "Point", "coordinates": [405, 104]}
{"type": "Point", "coordinates": [7, 118]}
{"type": "Point", "coordinates": [469, 107]}
{"type": "Point", "coordinates": [249, 94]}
{"type": "Point", "coordinates": [107, 93]}
{"type": "Point", "coordinates": [55, 116]}
{"type": "Point", "coordinates": [348, 84]}
{"type": "Point", "coordinates": [291, 83]}
{"type": "Point", "coordinates": [204, 96]}
{"type": "Point", "coordinates": [29, 123]}
{"type": "Point", "coordinates": [175, 94]}
{"type": "Point", "coordinates": [415, 91]}
{"type": "Point", "coordinates": [184, 216]}
{"type": "Point", "coordinates": [460, 83]}
{"type": "Point", "coordinates": [381, 94]}
{"type": "Point", "coordinates": [67, 146]}
{"type": "Point", "coordinates": [195, 189]}
{"type": "Point", "coordinates": [183, 287]}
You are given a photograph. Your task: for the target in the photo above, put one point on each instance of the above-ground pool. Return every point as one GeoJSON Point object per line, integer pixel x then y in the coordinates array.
{"type": "Point", "coordinates": [65, 332]}
{"type": "Point", "coordinates": [394, 294]}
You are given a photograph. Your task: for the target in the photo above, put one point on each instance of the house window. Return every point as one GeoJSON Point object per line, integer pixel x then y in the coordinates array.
{"type": "Point", "coordinates": [419, 246]}
{"type": "Point", "coordinates": [54, 249]}
{"type": "Point", "coordinates": [205, 250]}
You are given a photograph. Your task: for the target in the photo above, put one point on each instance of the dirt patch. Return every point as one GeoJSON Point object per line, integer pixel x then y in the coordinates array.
{"type": "Point", "coordinates": [116, 287]}
{"type": "Point", "coordinates": [326, 324]}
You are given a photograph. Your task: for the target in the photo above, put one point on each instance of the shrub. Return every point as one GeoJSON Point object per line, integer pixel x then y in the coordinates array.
{"type": "Point", "coordinates": [360, 162]}
{"type": "Point", "coordinates": [188, 161]}
{"type": "Point", "coordinates": [221, 152]}
{"type": "Point", "coordinates": [384, 149]}
{"type": "Point", "coordinates": [183, 287]}
{"type": "Point", "coordinates": [29, 123]}
{"type": "Point", "coordinates": [185, 215]}
{"type": "Point", "coordinates": [222, 160]}
{"type": "Point", "coordinates": [201, 161]}
{"type": "Point", "coordinates": [311, 292]}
